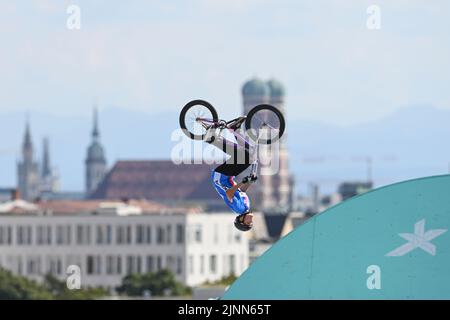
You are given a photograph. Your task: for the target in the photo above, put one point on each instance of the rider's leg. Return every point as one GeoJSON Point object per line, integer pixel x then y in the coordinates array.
{"type": "Point", "coordinates": [238, 162]}
{"type": "Point", "coordinates": [239, 153]}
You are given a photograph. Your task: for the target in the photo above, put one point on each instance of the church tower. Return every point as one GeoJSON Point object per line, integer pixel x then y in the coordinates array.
{"type": "Point", "coordinates": [95, 160]}
{"type": "Point", "coordinates": [49, 179]}
{"type": "Point", "coordinates": [27, 169]}
{"type": "Point", "coordinates": [274, 191]}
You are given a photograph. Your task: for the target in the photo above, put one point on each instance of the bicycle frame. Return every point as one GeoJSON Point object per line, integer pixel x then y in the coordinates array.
{"type": "Point", "coordinates": [222, 124]}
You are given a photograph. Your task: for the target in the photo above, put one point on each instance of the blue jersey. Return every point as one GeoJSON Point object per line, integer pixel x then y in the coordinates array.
{"type": "Point", "coordinates": [221, 182]}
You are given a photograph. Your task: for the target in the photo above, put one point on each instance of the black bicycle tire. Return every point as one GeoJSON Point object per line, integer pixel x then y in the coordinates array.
{"type": "Point", "coordinates": [260, 107]}
{"type": "Point", "coordinates": [185, 109]}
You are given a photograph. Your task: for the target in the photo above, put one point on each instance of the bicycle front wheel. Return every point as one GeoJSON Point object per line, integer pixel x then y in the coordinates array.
{"type": "Point", "coordinates": [265, 124]}
{"type": "Point", "coordinates": [195, 117]}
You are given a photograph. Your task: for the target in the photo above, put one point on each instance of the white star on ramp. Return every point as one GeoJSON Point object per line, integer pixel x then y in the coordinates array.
{"type": "Point", "coordinates": [418, 239]}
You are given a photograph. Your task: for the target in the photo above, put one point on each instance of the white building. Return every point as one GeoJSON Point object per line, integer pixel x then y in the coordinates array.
{"type": "Point", "coordinates": [108, 245]}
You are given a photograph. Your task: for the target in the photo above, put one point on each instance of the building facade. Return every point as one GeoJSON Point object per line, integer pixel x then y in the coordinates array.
{"type": "Point", "coordinates": [95, 160]}
{"type": "Point", "coordinates": [275, 191]}
{"type": "Point", "coordinates": [196, 247]}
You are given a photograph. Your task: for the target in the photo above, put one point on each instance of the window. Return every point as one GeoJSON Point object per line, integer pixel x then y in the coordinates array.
{"type": "Point", "coordinates": [202, 264]}
{"type": "Point", "coordinates": [150, 264]}
{"type": "Point", "coordinates": [83, 234]}
{"type": "Point", "coordinates": [129, 234]}
{"type": "Point", "coordinates": [169, 234]}
{"type": "Point", "coordinates": [59, 235]}
{"type": "Point", "coordinates": [119, 265]}
{"type": "Point", "coordinates": [191, 264]}
{"type": "Point", "coordinates": [5, 235]}
{"type": "Point", "coordinates": [160, 235]}
{"type": "Point", "coordinates": [198, 233]}
{"type": "Point", "coordinates": [149, 235]}
{"type": "Point", "coordinates": [113, 265]}
{"type": "Point", "coordinates": [179, 233]}
{"type": "Point", "coordinates": [170, 263]}
{"type": "Point", "coordinates": [87, 234]}
{"type": "Point", "coordinates": [19, 265]}
{"type": "Point", "coordinates": [103, 234]}
{"type": "Point", "coordinates": [232, 261]}
{"type": "Point", "coordinates": [110, 265]}
{"type": "Point", "coordinates": [93, 265]}
{"type": "Point", "coordinates": [139, 234]}
{"type": "Point", "coordinates": [54, 265]}
{"type": "Point", "coordinates": [120, 234]}
{"type": "Point", "coordinates": [132, 264]}
{"type": "Point", "coordinates": [213, 263]}
{"type": "Point", "coordinates": [158, 263]}
{"type": "Point", "coordinates": [40, 235]}
{"type": "Point", "coordinates": [24, 234]}
{"type": "Point", "coordinates": [123, 235]}
{"type": "Point", "coordinates": [100, 235]}
{"type": "Point", "coordinates": [68, 234]}
{"type": "Point", "coordinates": [138, 264]}
{"type": "Point", "coordinates": [79, 234]}
{"type": "Point", "coordinates": [143, 234]}
{"type": "Point", "coordinates": [90, 265]}
{"type": "Point", "coordinates": [108, 234]}
{"type": "Point", "coordinates": [49, 234]}
{"type": "Point", "coordinates": [179, 265]}
{"type": "Point", "coordinates": [34, 265]}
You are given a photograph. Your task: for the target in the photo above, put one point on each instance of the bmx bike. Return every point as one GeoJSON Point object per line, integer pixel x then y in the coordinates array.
{"type": "Point", "coordinates": [264, 123]}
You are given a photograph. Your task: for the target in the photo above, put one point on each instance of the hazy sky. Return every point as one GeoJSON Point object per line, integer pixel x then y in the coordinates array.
{"type": "Point", "coordinates": [157, 55]}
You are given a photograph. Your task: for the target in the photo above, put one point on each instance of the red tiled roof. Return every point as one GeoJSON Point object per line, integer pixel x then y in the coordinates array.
{"type": "Point", "coordinates": [158, 181]}
{"type": "Point", "coordinates": [78, 206]}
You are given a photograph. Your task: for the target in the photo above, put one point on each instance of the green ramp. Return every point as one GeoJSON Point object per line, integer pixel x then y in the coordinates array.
{"type": "Point", "coordinates": [389, 243]}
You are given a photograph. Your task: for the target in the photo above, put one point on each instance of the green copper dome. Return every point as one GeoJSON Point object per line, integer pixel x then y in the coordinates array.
{"type": "Point", "coordinates": [255, 87]}
{"type": "Point", "coordinates": [276, 88]}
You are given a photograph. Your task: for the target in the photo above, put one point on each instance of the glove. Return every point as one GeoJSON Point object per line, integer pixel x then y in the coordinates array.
{"type": "Point", "coordinates": [251, 178]}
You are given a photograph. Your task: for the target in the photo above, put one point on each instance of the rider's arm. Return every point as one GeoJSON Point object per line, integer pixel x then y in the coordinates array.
{"type": "Point", "coordinates": [245, 186]}
{"type": "Point", "coordinates": [230, 192]}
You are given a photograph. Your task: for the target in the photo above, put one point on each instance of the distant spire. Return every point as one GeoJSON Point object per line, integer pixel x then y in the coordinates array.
{"type": "Point", "coordinates": [95, 131]}
{"type": "Point", "coordinates": [27, 147]}
{"type": "Point", "coordinates": [46, 168]}
{"type": "Point", "coordinates": [27, 137]}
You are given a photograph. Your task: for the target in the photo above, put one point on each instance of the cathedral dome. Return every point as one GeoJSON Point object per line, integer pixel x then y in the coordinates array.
{"type": "Point", "coordinates": [276, 88]}
{"type": "Point", "coordinates": [255, 87]}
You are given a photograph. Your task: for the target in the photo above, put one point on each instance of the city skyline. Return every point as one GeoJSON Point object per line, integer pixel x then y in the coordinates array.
{"type": "Point", "coordinates": [321, 157]}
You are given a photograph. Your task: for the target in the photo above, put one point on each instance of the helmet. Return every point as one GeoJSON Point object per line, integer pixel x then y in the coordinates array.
{"type": "Point", "coordinates": [239, 223]}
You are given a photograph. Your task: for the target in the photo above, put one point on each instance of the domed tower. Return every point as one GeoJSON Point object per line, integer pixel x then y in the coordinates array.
{"type": "Point", "coordinates": [282, 182]}
{"type": "Point", "coordinates": [275, 187]}
{"type": "Point", "coordinates": [95, 160]}
{"type": "Point", "coordinates": [254, 92]}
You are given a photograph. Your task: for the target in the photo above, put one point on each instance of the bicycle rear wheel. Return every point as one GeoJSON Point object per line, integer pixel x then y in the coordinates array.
{"type": "Point", "coordinates": [265, 124]}
{"type": "Point", "coordinates": [194, 116]}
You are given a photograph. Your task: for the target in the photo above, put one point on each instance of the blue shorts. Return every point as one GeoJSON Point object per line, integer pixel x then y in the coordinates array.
{"type": "Point", "coordinates": [221, 182]}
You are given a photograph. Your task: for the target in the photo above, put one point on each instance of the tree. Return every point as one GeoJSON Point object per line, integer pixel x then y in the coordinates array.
{"type": "Point", "coordinates": [225, 281]}
{"type": "Point", "coordinates": [15, 287]}
{"type": "Point", "coordinates": [158, 284]}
